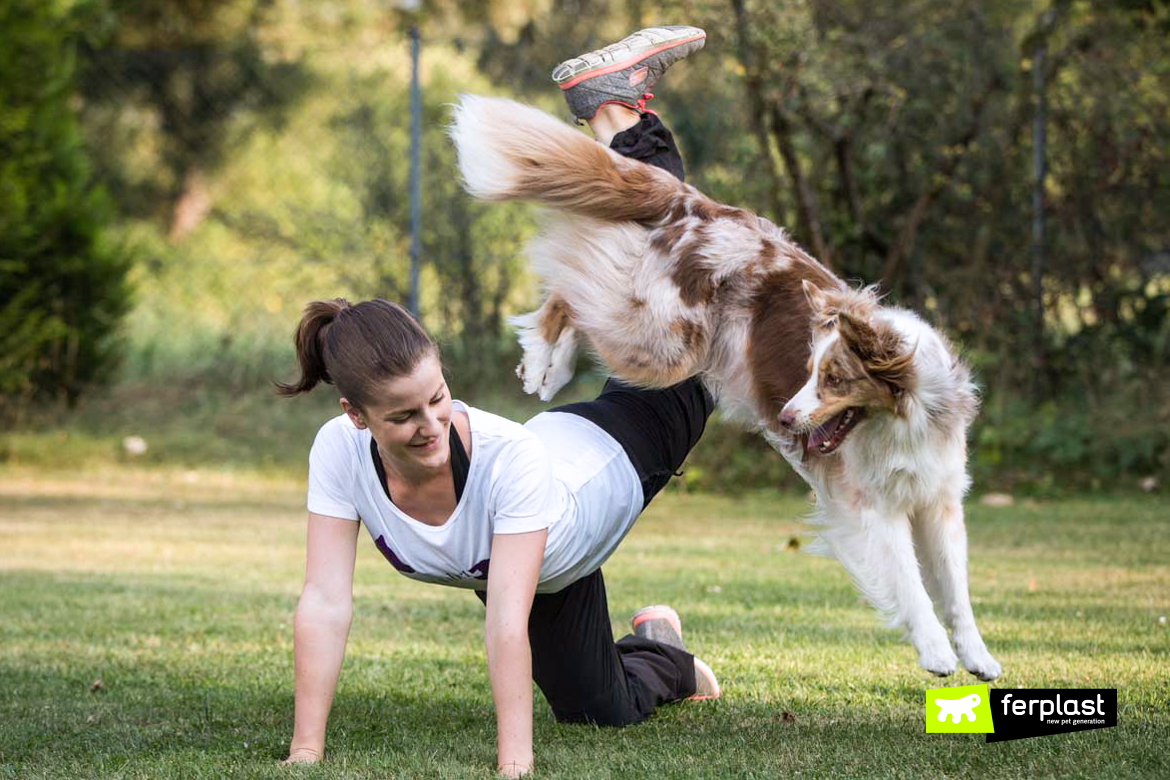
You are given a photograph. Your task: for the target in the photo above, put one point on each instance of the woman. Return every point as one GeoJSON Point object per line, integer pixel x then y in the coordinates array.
{"type": "Point", "coordinates": [524, 515]}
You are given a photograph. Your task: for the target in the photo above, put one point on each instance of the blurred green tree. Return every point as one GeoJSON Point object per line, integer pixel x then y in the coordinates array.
{"type": "Point", "coordinates": [63, 289]}
{"type": "Point", "coordinates": [179, 84]}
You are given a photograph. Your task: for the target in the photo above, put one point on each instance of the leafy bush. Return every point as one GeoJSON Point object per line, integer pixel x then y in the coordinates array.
{"type": "Point", "coordinates": [1071, 443]}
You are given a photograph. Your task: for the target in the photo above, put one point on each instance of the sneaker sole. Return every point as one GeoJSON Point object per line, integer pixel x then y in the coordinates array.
{"type": "Point", "coordinates": [600, 70]}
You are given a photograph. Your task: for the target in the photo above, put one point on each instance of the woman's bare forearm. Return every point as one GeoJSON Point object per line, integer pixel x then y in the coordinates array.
{"type": "Point", "coordinates": [516, 561]}
{"type": "Point", "coordinates": [319, 646]}
{"type": "Point", "coordinates": [510, 670]}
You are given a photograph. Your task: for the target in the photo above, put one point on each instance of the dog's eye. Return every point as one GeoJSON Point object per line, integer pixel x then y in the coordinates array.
{"type": "Point", "coordinates": [832, 380]}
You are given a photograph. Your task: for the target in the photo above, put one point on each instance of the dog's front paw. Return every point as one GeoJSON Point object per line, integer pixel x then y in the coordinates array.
{"type": "Point", "coordinates": [561, 365]}
{"type": "Point", "coordinates": [937, 657]}
{"type": "Point", "coordinates": [987, 669]}
{"type": "Point", "coordinates": [531, 370]}
{"type": "Point", "coordinates": [543, 378]}
{"type": "Point", "coordinates": [976, 659]}
{"type": "Point", "coordinates": [939, 665]}
{"type": "Point", "coordinates": [534, 364]}
{"type": "Point", "coordinates": [546, 368]}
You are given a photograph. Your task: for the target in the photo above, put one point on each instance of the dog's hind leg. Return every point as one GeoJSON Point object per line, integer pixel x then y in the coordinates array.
{"type": "Point", "coordinates": [943, 548]}
{"type": "Point", "coordinates": [878, 552]}
{"type": "Point", "coordinates": [550, 344]}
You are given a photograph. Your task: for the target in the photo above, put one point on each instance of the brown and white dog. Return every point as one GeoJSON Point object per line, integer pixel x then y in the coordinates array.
{"type": "Point", "coordinates": [867, 402]}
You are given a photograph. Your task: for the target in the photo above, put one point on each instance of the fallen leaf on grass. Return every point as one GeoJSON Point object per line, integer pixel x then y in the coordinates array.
{"type": "Point", "coordinates": [787, 718]}
{"type": "Point", "coordinates": [95, 686]}
{"type": "Point", "coordinates": [997, 499]}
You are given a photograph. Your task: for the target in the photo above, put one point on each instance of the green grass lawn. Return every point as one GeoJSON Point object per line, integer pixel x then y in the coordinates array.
{"type": "Point", "coordinates": [176, 590]}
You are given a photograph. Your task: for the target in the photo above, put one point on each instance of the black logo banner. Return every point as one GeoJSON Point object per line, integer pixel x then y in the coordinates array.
{"type": "Point", "coordinates": [1038, 712]}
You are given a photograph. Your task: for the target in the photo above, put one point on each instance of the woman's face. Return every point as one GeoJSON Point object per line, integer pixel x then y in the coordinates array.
{"type": "Point", "coordinates": [410, 417]}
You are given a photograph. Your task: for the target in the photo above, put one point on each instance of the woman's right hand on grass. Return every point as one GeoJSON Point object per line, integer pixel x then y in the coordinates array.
{"type": "Point", "coordinates": [514, 769]}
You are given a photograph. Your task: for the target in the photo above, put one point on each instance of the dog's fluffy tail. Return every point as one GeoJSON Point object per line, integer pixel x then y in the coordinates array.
{"type": "Point", "coordinates": [512, 151]}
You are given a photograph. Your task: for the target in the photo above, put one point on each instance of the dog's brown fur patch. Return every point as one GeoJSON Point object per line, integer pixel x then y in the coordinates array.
{"type": "Point", "coordinates": [665, 238]}
{"type": "Point", "coordinates": [778, 344]}
{"type": "Point", "coordinates": [554, 315]}
{"type": "Point", "coordinates": [694, 338]}
{"type": "Point", "coordinates": [779, 337]}
{"type": "Point", "coordinates": [768, 251]}
{"type": "Point", "coordinates": [693, 277]}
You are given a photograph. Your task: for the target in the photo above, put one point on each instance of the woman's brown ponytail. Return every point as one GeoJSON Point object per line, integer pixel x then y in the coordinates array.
{"type": "Point", "coordinates": [355, 346]}
{"type": "Point", "coordinates": [310, 354]}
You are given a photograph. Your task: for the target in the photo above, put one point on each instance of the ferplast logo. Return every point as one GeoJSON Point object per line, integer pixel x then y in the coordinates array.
{"type": "Point", "coordinates": [962, 710]}
{"type": "Point", "coordinates": [1019, 713]}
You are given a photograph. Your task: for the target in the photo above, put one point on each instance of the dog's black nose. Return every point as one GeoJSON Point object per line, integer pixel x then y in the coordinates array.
{"type": "Point", "coordinates": [787, 417]}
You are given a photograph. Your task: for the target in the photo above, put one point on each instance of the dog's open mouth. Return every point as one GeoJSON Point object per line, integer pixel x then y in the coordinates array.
{"type": "Point", "coordinates": [828, 436]}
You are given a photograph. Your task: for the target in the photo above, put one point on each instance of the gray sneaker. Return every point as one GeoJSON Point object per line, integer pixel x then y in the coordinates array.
{"type": "Point", "coordinates": [624, 72]}
{"type": "Point", "coordinates": [659, 623]}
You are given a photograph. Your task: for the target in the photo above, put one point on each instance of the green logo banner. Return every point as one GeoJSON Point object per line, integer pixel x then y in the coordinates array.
{"type": "Point", "coordinates": [962, 710]}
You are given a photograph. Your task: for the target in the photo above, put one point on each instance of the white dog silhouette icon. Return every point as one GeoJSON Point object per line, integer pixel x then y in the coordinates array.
{"type": "Point", "coordinates": [958, 708]}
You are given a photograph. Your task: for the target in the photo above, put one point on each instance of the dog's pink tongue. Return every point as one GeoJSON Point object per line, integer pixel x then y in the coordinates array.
{"type": "Point", "coordinates": [823, 432]}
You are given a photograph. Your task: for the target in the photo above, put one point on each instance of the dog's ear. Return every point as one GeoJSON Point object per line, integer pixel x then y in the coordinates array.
{"type": "Point", "coordinates": [815, 296]}
{"type": "Point", "coordinates": [886, 357]}
{"type": "Point", "coordinates": [858, 335]}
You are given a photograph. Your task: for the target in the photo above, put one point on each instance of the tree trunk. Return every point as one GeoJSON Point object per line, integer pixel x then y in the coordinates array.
{"type": "Point", "coordinates": [191, 206]}
{"type": "Point", "coordinates": [807, 222]}
{"type": "Point", "coordinates": [758, 116]}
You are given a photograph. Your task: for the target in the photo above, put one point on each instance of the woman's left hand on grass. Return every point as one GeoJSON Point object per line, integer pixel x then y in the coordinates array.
{"type": "Point", "coordinates": [302, 756]}
{"type": "Point", "coordinates": [516, 560]}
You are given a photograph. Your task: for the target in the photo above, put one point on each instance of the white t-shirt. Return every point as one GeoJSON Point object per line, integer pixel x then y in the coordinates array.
{"type": "Point", "coordinates": [558, 471]}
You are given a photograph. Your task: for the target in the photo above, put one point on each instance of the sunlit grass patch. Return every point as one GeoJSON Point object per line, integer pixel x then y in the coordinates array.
{"type": "Point", "coordinates": [175, 588]}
